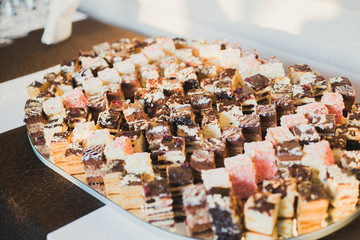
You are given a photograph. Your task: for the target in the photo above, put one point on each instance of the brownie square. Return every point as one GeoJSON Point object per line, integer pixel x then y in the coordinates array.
{"type": "Point", "coordinates": [267, 115]}
{"type": "Point", "coordinates": [302, 94]}
{"type": "Point", "coordinates": [129, 85]}
{"type": "Point", "coordinates": [288, 150]}
{"type": "Point", "coordinates": [324, 124]}
{"type": "Point", "coordinates": [181, 115]}
{"type": "Point", "coordinates": [96, 104]}
{"type": "Point", "coordinates": [251, 127]}
{"type": "Point", "coordinates": [217, 146]}
{"type": "Point", "coordinates": [246, 98]}
{"type": "Point", "coordinates": [349, 96]}
{"type": "Point", "coordinates": [234, 139]}
{"type": "Point", "coordinates": [305, 133]}
{"type": "Point", "coordinates": [281, 89]}
{"type": "Point", "coordinates": [223, 90]}
{"type": "Point", "coordinates": [200, 100]}
{"type": "Point", "coordinates": [156, 130]}
{"type": "Point", "coordinates": [257, 82]}
{"type": "Point", "coordinates": [339, 81]}
{"type": "Point", "coordinates": [109, 120]}
{"type": "Point", "coordinates": [201, 160]}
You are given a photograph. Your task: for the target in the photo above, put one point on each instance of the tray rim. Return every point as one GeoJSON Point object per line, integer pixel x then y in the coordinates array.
{"type": "Point", "coordinates": [325, 231]}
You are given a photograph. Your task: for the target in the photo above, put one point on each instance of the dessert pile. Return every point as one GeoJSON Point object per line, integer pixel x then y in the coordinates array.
{"type": "Point", "coordinates": [206, 134]}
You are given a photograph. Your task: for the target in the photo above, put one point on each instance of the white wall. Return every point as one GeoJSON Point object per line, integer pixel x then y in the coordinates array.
{"type": "Point", "coordinates": [324, 33]}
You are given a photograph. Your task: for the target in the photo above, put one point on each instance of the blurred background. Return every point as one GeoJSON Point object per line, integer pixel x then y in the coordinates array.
{"type": "Point", "coordinates": [326, 31]}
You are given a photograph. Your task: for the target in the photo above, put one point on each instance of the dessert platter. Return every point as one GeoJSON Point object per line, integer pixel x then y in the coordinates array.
{"type": "Point", "coordinates": [202, 139]}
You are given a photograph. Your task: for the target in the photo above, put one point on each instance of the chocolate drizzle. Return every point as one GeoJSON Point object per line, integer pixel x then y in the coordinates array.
{"type": "Point", "coordinates": [262, 204]}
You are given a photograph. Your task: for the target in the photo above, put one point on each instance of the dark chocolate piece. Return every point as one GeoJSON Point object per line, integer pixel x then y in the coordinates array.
{"type": "Point", "coordinates": [188, 78]}
{"type": "Point", "coordinates": [339, 81]}
{"type": "Point", "coordinates": [201, 100]}
{"type": "Point", "coordinates": [201, 160]}
{"type": "Point", "coordinates": [261, 204]}
{"type": "Point", "coordinates": [348, 94]}
{"type": "Point", "coordinates": [221, 215]}
{"type": "Point", "coordinates": [96, 104]}
{"type": "Point", "coordinates": [268, 117]}
{"type": "Point", "coordinates": [324, 124]}
{"type": "Point", "coordinates": [284, 105]}
{"type": "Point", "coordinates": [156, 187]}
{"type": "Point", "coordinates": [223, 90]}
{"type": "Point", "coordinates": [251, 127]}
{"type": "Point", "coordinates": [182, 115]}
{"type": "Point", "coordinates": [156, 130]}
{"type": "Point", "coordinates": [114, 166]}
{"type": "Point", "coordinates": [301, 68]}
{"type": "Point", "coordinates": [218, 147]}
{"type": "Point", "coordinates": [234, 140]}
{"type": "Point", "coordinates": [305, 133]}
{"type": "Point", "coordinates": [300, 173]}
{"type": "Point", "coordinates": [311, 192]}
{"type": "Point", "coordinates": [288, 151]}
{"type": "Point", "coordinates": [34, 115]}
{"type": "Point", "coordinates": [246, 98]}
{"type": "Point", "coordinates": [110, 120]}
{"type": "Point", "coordinates": [129, 85]}
{"type": "Point", "coordinates": [179, 175]}
{"type": "Point", "coordinates": [94, 156]}
{"type": "Point", "coordinates": [113, 92]}
{"type": "Point", "coordinates": [257, 82]}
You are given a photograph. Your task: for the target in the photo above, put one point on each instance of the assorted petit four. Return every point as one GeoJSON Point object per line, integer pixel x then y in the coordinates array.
{"type": "Point", "coordinates": [205, 135]}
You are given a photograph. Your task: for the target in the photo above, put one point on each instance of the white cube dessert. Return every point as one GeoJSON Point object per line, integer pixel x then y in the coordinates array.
{"type": "Point", "coordinates": [93, 86]}
{"type": "Point", "coordinates": [109, 75]}
{"type": "Point", "coordinates": [125, 67]}
{"type": "Point", "coordinates": [272, 68]}
{"type": "Point", "coordinates": [183, 54]}
{"type": "Point", "coordinates": [139, 59]}
{"type": "Point", "coordinates": [167, 44]}
{"type": "Point", "coordinates": [54, 108]}
{"type": "Point", "coordinates": [82, 130]}
{"type": "Point", "coordinates": [229, 58]}
{"type": "Point", "coordinates": [99, 137]}
{"type": "Point", "coordinates": [139, 163]}
{"type": "Point", "coordinates": [153, 52]}
{"type": "Point", "coordinates": [261, 212]}
{"type": "Point", "coordinates": [118, 149]}
{"type": "Point", "coordinates": [216, 180]}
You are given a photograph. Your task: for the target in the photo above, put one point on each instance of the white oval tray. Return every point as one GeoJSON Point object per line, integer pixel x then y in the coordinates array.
{"type": "Point", "coordinates": [169, 235]}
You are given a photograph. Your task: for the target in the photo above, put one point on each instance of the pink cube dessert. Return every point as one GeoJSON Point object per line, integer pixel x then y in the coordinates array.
{"type": "Point", "coordinates": [317, 155]}
{"type": "Point", "coordinates": [153, 52]}
{"type": "Point", "coordinates": [278, 134]}
{"type": "Point", "coordinates": [242, 175]}
{"type": "Point", "coordinates": [74, 98]}
{"type": "Point", "coordinates": [335, 103]}
{"type": "Point", "coordinates": [311, 109]}
{"type": "Point", "coordinates": [263, 155]}
{"type": "Point", "coordinates": [119, 148]}
{"type": "Point", "coordinates": [293, 120]}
